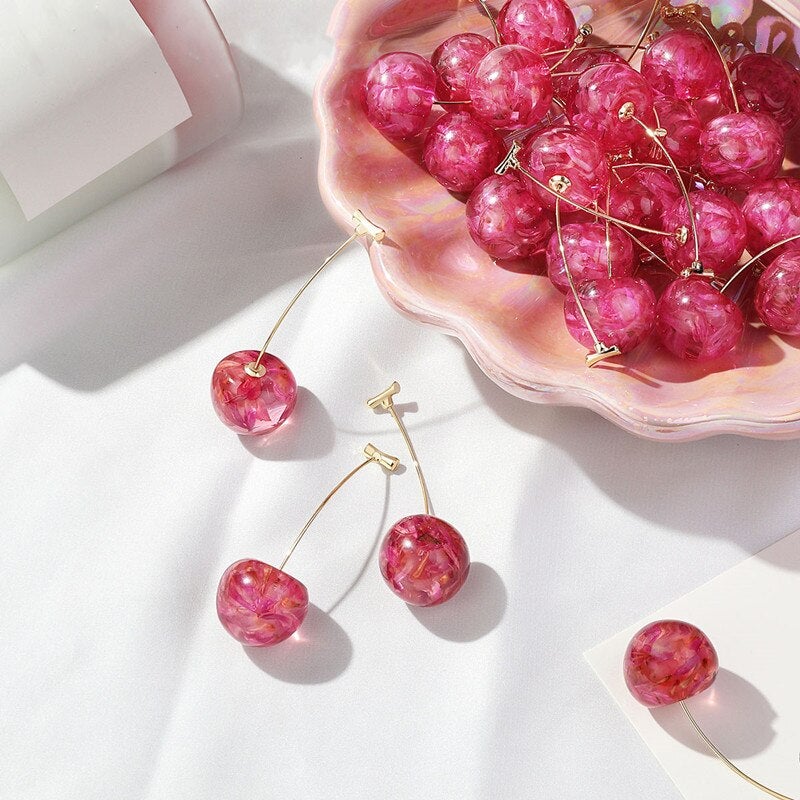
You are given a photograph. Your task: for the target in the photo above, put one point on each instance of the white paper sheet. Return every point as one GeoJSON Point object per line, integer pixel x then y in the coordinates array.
{"type": "Point", "coordinates": [752, 712]}
{"type": "Point", "coordinates": [83, 86]}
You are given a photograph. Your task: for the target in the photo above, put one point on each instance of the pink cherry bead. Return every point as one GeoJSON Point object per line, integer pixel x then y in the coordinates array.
{"type": "Point", "coordinates": [712, 105]}
{"type": "Point", "coordinates": [587, 255]}
{"type": "Point", "coordinates": [697, 322]}
{"type": "Point", "coordinates": [511, 88]}
{"type": "Point", "coordinates": [643, 195]}
{"type": "Point", "coordinates": [600, 94]}
{"type": "Point", "coordinates": [770, 85]}
{"type": "Point", "coordinates": [566, 152]}
{"type": "Point", "coordinates": [668, 662]}
{"type": "Point", "coordinates": [249, 405]}
{"type": "Point", "coordinates": [721, 230]}
{"type": "Point", "coordinates": [260, 605]}
{"type": "Point", "coordinates": [772, 213]}
{"type": "Point", "coordinates": [460, 151]}
{"type": "Point", "coordinates": [579, 61]}
{"type": "Point", "coordinates": [399, 94]}
{"type": "Point", "coordinates": [454, 59]}
{"type": "Point", "coordinates": [683, 64]}
{"type": "Point", "coordinates": [539, 25]}
{"type": "Point", "coordinates": [683, 127]}
{"type": "Point", "coordinates": [424, 560]}
{"type": "Point", "coordinates": [778, 295]}
{"type": "Point", "coordinates": [742, 149]}
{"type": "Point", "coordinates": [506, 220]}
{"type": "Point", "coordinates": [622, 312]}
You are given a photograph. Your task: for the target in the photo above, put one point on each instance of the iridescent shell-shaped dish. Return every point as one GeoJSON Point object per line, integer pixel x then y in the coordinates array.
{"type": "Point", "coordinates": [509, 317]}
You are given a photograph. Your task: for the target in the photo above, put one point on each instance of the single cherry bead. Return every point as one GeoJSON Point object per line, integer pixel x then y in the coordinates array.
{"type": "Point", "coordinates": [740, 150]}
{"type": "Point", "coordinates": [260, 605]}
{"type": "Point", "coordinates": [777, 298]}
{"type": "Point", "coordinates": [622, 312]}
{"type": "Point", "coordinates": [598, 98]}
{"type": "Point", "coordinates": [712, 105]}
{"type": "Point", "coordinates": [579, 61]}
{"type": "Point", "coordinates": [587, 254]}
{"type": "Point", "coordinates": [697, 322]}
{"type": "Point", "coordinates": [721, 230]}
{"type": "Point", "coordinates": [539, 25]}
{"type": "Point", "coordinates": [569, 153]}
{"type": "Point", "coordinates": [668, 662]}
{"type": "Point", "coordinates": [399, 93]}
{"type": "Point", "coordinates": [683, 127]}
{"type": "Point", "coordinates": [643, 195]}
{"type": "Point", "coordinates": [454, 59]}
{"type": "Point", "coordinates": [250, 405]}
{"type": "Point", "coordinates": [424, 560]}
{"type": "Point", "coordinates": [683, 64]}
{"type": "Point", "coordinates": [506, 220]}
{"type": "Point", "coordinates": [511, 88]}
{"type": "Point", "coordinates": [770, 85]}
{"type": "Point", "coordinates": [460, 151]}
{"type": "Point", "coordinates": [772, 213]}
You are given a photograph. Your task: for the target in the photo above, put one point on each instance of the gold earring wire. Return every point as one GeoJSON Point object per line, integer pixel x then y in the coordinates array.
{"type": "Point", "coordinates": [385, 402]}
{"type": "Point", "coordinates": [488, 11]}
{"type": "Point", "coordinates": [371, 455]}
{"type": "Point", "coordinates": [754, 259]}
{"type": "Point", "coordinates": [362, 227]}
{"type": "Point", "coordinates": [647, 26]}
{"type": "Point", "coordinates": [583, 33]}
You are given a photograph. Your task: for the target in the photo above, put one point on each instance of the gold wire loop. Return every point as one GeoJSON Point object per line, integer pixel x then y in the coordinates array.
{"type": "Point", "coordinates": [488, 11]}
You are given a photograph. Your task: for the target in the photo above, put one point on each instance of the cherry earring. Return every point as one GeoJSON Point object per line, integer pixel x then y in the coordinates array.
{"type": "Point", "coordinates": [423, 559]}
{"type": "Point", "coordinates": [667, 663]}
{"type": "Point", "coordinates": [254, 392]}
{"type": "Point", "coordinates": [261, 605]}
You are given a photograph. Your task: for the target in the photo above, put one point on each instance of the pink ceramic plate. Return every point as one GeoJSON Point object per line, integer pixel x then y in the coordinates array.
{"type": "Point", "coordinates": [509, 319]}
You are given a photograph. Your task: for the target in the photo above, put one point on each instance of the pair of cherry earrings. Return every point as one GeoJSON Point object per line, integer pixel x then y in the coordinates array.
{"type": "Point", "coordinates": [423, 559]}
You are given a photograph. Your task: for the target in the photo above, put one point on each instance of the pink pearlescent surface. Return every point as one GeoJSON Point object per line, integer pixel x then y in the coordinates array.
{"type": "Point", "coordinates": [511, 88]}
{"type": "Point", "coordinates": [565, 82]}
{"type": "Point", "coordinates": [454, 59]}
{"type": "Point", "coordinates": [683, 64]}
{"type": "Point", "coordinates": [770, 85]}
{"type": "Point", "coordinates": [506, 220]}
{"type": "Point", "coordinates": [683, 127]}
{"type": "Point", "coordinates": [424, 560]}
{"type": "Point", "coordinates": [588, 254]}
{"type": "Point", "coordinates": [777, 298]}
{"type": "Point", "coordinates": [668, 662]}
{"type": "Point", "coordinates": [460, 151]}
{"type": "Point", "coordinates": [740, 150]}
{"type": "Point", "coordinates": [772, 213]}
{"type": "Point", "coordinates": [249, 405]}
{"type": "Point", "coordinates": [643, 194]}
{"type": "Point", "coordinates": [260, 605]}
{"type": "Point", "coordinates": [621, 311]}
{"type": "Point", "coordinates": [697, 322]}
{"type": "Point", "coordinates": [540, 25]}
{"type": "Point", "coordinates": [512, 323]}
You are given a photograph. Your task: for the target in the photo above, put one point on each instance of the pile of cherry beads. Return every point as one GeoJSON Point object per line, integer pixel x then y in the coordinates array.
{"type": "Point", "coordinates": [565, 103]}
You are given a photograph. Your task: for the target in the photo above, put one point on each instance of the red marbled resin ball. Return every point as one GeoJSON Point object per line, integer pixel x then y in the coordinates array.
{"type": "Point", "coordinates": [772, 213]}
{"type": "Point", "coordinates": [697, 322]}
{"type": "Point", "coordinates": [539, 25]}
{"type": "Point", "coordinates": [777, 297]}
{"type": "Point", "coordinates": [454, 59]}
{"type": "Point", "coordinates": [643, 195]}
{"type": "Point", "coordinates": [683, 127]}
{"type": "Point", "coordinates": [424, 560]}
{"type": "Point", "coordinates": [668, 662]}
{"type": "Point", "coordinates": [260, 605]}
{"type": "Point", "coordinates": [565, 82]}
{"type": "Point", "coordinates": [460, 151]}
{"type": "Point", "coordinates": [714, 104]}
{"type": "Point", "coordinates": [770, 85]}
{"type": "Point", "coordinates": [506, 220]}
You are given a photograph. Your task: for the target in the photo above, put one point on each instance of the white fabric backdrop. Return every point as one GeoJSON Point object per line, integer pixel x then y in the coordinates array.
{"type": "Point", "coordinates": [123, 499]}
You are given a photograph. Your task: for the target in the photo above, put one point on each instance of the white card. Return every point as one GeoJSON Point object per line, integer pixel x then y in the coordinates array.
{"type": "Point", "coordinates": [83, 86]}
{"type": "Point", "coordinates": [752, 712]}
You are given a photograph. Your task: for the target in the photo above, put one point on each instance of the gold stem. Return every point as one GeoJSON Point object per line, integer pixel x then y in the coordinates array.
{"type": "Point", "coordinates": [726, 761]}
{"type": "Point", "coordinates": [422, 485]}
{"type": "Point", "coordinates": [645, 31]}
{"type": "Point", "coordinates": [654, 165]}
{"type": "Point", "coordinates": [452, 102]}
{"type": "Point", "coordinates": [608, 229]}
{"type": "Point", "coordinates": [753, 260]}
{"type": "Point", "coordinates": [485, 6]}
{"type": "Point", "coordinates": [724, 65]}
{"type": "Point", "coordinates": [590, 47]}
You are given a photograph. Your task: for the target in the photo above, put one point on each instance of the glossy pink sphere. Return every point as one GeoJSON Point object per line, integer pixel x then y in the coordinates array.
{"type": "Point", "coordinates": [721, 230]}
{"type": "Point", "coordinates": [460, 151]}
{"type": "Point", "coordinates": [424, 560]}
{"type": "Point", "coordinates": [566, 152]}
{"type": "Point", "coordinates": [622, 312]}
{"type": "Point", "coordinates": [399, 94]}
{"type": "Point", "coordinates": [454, 59]}
{"type": "Point", "coordinates": [697, 322]}
{"type": "Point", "coordinates": [740, 150]}
{"type": "Point", "coordinates": [683, 64]}
{"type": "Point", "coordinates": [565, 82]}
{"type": "Point", "coordinates": [778, 295]}
{"type": "Point", "coordinates": [511, 88]}
{"type": "Point", "coordinates": [643, 195]}
{"type": "Point", "coordinates": [714, 104]}
{"type": "Point", "coordinates": [539, 25]}
{"type": "Point", "coordinates": [260, 605]}
{"type": "Point", "coordinates": [772, 213]}
{"type": "Point", "coordinates": [595, 105]}
{"type": "Point", "coordinates": [668, 662]}
{"type": "Point", "coordinates": [587, 254]}
{"type": "Point", "coordinates": [770, 85]}
{"type": "Point", "coordinates": [683, 127]}
{"type": "Point", "coordinates": [248, 405]}
{"type": "Point", "coordinates": [506, 220]}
